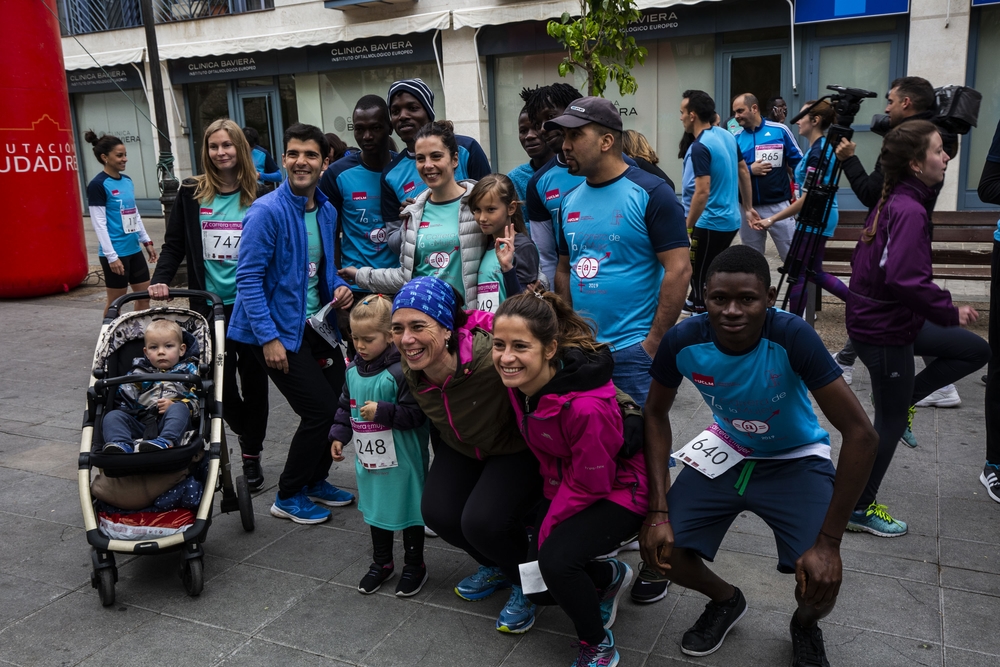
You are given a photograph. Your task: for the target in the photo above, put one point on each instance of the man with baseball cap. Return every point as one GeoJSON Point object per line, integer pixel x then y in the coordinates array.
{"type": "Point", "coordinates": [411, 106]}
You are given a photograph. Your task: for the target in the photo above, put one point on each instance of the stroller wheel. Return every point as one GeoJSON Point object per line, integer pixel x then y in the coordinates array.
{"type": "Point", "coordinates": [245, 502]}
{"type": "Point", "coordinates": [193, 575]}
{"type": "Point", "coordinates": [104, 581]}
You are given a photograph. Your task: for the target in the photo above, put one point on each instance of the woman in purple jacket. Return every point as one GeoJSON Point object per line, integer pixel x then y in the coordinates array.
{"type": "Point", "coordinates": [895, 310]}
{"type": "Point", "coordinates": [559, 380]}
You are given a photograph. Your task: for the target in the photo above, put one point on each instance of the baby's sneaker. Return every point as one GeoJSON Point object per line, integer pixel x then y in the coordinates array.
{"type": "Point", "coordinates": [118, 448]}
{"type": "Point", "coordinates": [154, 445]}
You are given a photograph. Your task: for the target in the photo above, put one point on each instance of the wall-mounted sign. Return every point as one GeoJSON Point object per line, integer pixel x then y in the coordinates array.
{"type": "Point", "coordinates": [814, 11]}
{"type": "Point", "coordinates": [374, 52]}
{"type": "Point", "coordinates": [97, 80]}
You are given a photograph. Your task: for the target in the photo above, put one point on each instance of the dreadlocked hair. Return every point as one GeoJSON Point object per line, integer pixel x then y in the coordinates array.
{"type": "Point", "coordinates": [549, 318]}
{"type": "Point", "coordinates": [556, 96]}
{"type": "Point", "coordinates": [526, 94]}
{"type": "Point", "coordinates": [902, 145]}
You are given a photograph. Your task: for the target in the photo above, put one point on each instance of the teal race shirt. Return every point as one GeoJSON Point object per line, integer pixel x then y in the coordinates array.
{"type": "Point", "coordinates": [117, 197]}
{"type": "Point", "coordinates": [611, 234]}
{"type": "Point", "coordinates": [315, 257]}
{"type": "Point", "coordinates": [809, 164]}
{"type": "Point", "coordinates": [759, 397]}
{"type": "Point", "coordinates": [439, 251]}
{"type": "Point", "coordinates": [221, 228]}
{"type": "Point", "coordinates": [715, 154]}
{"type": "Point", "coordinates": [492, 291]}
{"type": "Point", "coordinates": [356, 192]}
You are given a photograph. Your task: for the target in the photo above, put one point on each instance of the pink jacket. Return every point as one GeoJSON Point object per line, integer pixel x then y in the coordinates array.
{"type": "Point", "coordinates": [576, 437]}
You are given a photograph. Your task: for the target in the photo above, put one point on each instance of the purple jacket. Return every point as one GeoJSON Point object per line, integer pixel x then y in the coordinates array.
{"type": "Point", "coordinates": [574, 427]}
{"type": "Point", "coordinates": [891, 291]}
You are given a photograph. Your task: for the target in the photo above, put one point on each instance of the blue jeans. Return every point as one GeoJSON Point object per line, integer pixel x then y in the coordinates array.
{"type": "Point", "coordinates": [119, 426]}
{"type": "Point", "coordinates": [631, 373]}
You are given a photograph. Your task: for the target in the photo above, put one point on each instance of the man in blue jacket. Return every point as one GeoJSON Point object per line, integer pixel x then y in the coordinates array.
{"type": "Point", "coordinates": [285, 276]}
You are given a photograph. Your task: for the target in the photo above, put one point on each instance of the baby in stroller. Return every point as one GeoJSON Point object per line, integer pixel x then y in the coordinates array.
{"type": "Point", "coordinates": [151, 416]}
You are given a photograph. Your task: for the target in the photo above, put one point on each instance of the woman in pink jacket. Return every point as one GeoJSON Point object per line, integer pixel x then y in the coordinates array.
{"type": "Point", "coordinates": [559, 380]}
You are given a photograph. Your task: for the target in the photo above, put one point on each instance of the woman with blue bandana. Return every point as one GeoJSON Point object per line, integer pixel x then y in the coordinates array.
{"type": "Point", "coordinates": [484, 479]}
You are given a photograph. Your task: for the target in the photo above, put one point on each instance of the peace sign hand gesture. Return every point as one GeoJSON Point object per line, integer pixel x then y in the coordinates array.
{"type": "Point", "coordinates": [505, 248]}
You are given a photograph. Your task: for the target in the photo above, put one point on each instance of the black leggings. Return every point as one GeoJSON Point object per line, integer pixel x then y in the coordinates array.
{"type": "Point", "coordinates": [566, 561]}
{"type": "Point", "coordinates": [313, 393]}
{"type": "Point", "coordinates": [706, 244]}
{"type": "Point", "coordinates": [244, 407]}
{"type": "Point", "coordinates": [479, 505]}
{"type": "Point", "coordinates": [956, 353]}
{"type": "Point", "coordinates": [993, 373]}
{"type": "Point", "coordinates": [413, 545]}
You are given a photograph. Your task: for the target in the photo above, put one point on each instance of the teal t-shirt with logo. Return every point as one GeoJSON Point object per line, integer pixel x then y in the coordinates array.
{"type": "Point", "coordinates": [315, 256]}
{"type": "Point", "coordinates": [491, 292]}
{"type": "Point", "coordinates": [439, 252]}
{"type": "Point", "coordinates": [221, 227]}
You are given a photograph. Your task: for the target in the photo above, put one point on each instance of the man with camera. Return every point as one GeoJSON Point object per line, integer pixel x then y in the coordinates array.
{"type": "Point", "coordinates": [909, 98]}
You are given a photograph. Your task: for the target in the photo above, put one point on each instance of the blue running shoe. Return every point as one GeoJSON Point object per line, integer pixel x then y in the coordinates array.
{"type": "Point", "coordinates": [299, 509]}
{"type": "Point", "coordinates": [603, 655]}
{"type": "Point", "coordinates": [876, 520]}
{"type": "Point", "coordinates": [325, 493]}
{"type": "Point", "coordinates": [154, 445]}
{"type": "Point", "coordinates": [482, 584]}
{"type": "Point", "coordinates": [518, 615]}
{"type": "Point", "coordinates": [613, 593]}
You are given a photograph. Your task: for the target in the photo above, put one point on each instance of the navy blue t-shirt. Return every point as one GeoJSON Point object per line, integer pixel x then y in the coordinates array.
{"type": "Point", "coordinates": [759, 397]}
{"type": "Point", "coordinates": [611, 233]}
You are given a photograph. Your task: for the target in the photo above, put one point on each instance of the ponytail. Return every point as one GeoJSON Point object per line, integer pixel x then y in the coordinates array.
{"type": "Point", "coordinates": [549, 318]}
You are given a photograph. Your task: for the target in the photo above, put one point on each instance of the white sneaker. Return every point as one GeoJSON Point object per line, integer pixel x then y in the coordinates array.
{"type": "Point", "coordinates": [945, 397]}
{"type": "Point", "coordinates": [629, 546]}
{"type": "Point", "coordinates": [848, 370]}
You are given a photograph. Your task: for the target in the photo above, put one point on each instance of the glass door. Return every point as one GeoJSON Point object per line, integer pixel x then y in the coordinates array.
{"type": "Point", "coordinates": [258, 110]}
{"type": "Point", "coordinates": [759, 71]}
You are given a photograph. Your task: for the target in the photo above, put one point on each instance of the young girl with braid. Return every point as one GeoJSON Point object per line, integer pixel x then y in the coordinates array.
{"type": "Point", "coordinates": [895, 310]}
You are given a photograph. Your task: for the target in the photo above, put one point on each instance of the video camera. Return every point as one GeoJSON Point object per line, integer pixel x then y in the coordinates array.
{"type": "Point", "coordinates": [956, 110]}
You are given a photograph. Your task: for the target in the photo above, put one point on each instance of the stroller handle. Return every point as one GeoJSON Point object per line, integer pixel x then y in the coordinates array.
{"type": "Point", "coordinates": [217, 307]}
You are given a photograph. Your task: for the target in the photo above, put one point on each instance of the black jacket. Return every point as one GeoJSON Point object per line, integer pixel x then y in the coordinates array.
{"type": "Point", "coordinates": [182, 240]}
{"type": "Point", "coordinates": [868, 187]}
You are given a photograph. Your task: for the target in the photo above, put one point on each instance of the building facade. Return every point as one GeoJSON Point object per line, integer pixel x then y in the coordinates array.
{"type": "Point", "coordinates": [270, 63]}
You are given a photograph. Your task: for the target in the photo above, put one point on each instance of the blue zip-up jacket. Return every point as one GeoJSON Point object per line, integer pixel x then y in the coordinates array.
{"type": "Point", "coordinates": [773, 138]}
{"type": "Point", "coordinates": [271, 277]}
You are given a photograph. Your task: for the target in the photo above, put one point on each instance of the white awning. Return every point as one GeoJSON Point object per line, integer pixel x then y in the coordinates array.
{"type": "Point", "coordinates": [477, 17]}
{"type": "Point", "coordinates": [105, 58]}
{"type": "Point", "coordinates": [298, 38]}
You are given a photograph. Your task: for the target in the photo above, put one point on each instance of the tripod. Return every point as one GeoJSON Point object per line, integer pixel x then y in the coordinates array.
{"type": "Point", "coordinates": [821, 186]}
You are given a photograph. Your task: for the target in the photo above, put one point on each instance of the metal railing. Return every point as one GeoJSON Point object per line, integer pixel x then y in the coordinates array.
{"type": "Point", "coordinates": [83, 16]}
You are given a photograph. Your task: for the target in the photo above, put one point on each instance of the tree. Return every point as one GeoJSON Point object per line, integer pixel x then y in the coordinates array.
{"type": "Point", "coordinates": [598, 42]}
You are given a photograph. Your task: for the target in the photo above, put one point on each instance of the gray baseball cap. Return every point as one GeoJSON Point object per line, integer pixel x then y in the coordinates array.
{"type": "Point", "coordinates": [588, 110]}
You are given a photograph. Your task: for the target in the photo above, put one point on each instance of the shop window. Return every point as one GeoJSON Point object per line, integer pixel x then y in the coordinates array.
{"type": "Point", "coordinates": [987, 75]}
{"type": "Point", "coordinates": [865, 66]}
{"type": "Point", "coordinates": [341, 89]}
{"type": "Point", "coordinates": [207, 103]}
{"type": "Point", "coordinates": [114, 113]}
{"type": "Point", "coordinates": [671, 67]}
{"type": "Point", "coordinates": [289, 108]}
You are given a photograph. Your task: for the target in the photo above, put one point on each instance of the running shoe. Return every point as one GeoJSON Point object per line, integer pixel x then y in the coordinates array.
{"type": "Point", "coordinates": [876, 520]}
{"type": "Point", "coordinates": [628, 546]}
{"type": "Point", "coordinates": [848, 370]}
{"type": "Point", "coordinates": [990, 480]}
{"type": "Point", "coordinates": [412, 580]}
{"type": "Point", "coordinates": [711, 628]}
{"type": "Point", "coordinates": [377, 575]}
{"type": "Point", "coordinates": [645, 591]}
{"type": "Point", "coordinates": [154, 445]}
{"type": "Point", "coordinates": [908, 438]}
{"type": "Point", "coordinates": [484, 583]}
{"type": "Point", "coordinates": [807, 646]}
{"type": "Point", "coordinates": [118, 448]}
{"type": "Point", "coordinates": [945, 397]}
{"type": "Point", "coordinates": [327, 494]}
{"type": "Point", "coordinates": [253, 473]}
{"type": "Point", "coordinates": [299, 509]}
{"type": "Point", "coordinates": [518, 615]}
{"type": "Point", "coordinates": [429, 533]}
{"type": "Point", "coordinates": [612, 595]}
{"type": "Point", "coordinates": [602, 655]}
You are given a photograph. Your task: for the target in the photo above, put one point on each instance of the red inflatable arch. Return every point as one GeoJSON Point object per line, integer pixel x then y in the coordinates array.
{"type": "Point", "coordinates": [42, 249]}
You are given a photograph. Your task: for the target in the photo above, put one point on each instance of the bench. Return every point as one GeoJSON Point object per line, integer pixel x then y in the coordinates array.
{"type": "Point", "coordinates": [950, 228]}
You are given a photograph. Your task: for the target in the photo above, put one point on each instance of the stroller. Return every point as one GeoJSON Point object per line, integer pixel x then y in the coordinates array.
{"type": "Point", "coordinates": [202, 450]}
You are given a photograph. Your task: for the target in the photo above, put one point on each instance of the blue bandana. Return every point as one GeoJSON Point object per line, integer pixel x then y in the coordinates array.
{"type": "Point", "coordinates": [431, 296]}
